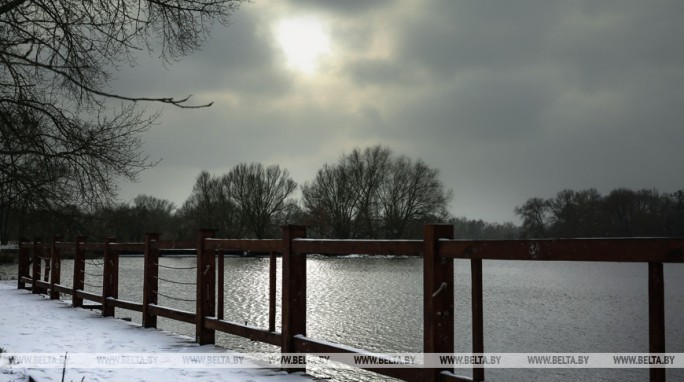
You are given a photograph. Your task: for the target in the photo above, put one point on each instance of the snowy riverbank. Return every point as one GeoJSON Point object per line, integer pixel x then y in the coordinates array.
{"type": "Point", "coordinates": [32, 324]}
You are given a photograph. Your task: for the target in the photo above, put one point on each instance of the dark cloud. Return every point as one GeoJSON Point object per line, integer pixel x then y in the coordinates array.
{"type": "Point", "coordinates": [490, 106]}
{"type": "Point", "coordinates": [449, 37]}
{"type": "Point", "coordinates": [238, 59]}
{"type": "Point", "coordinates": [380, 72]}
{"type": "Point", "coordinates": [345, 7]}
{"type": "Point", "coordinates": [509, 99]}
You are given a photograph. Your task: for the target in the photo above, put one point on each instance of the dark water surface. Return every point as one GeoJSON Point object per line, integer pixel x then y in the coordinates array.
{"type": "Point", "coordinates": [376, 304]}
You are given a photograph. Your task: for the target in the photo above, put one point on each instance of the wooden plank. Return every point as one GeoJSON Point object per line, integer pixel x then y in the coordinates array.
{"type": "Point", "coordinates": [79, 272]}
{"type": "Point", "coordinates": [42, 285]}
{"type": "Point", "coordinates": [174, 314]}
{"type": "Point", "coordinates": [610, 250]}
{"type": "Point", "coordinates": [656, 316]}
{"type": "Point", "coordinates": [110, 278]}
{"type": "Point", "coordinates": [37, 254]}
{"type": "Point", "coordinates": [221, 285]}
{"type": "Point", "coordinates": [56, 269]}
{"type": "Point", "coordinates": [187, 252]}
{"type": "Point", "coordinates": [206, 288]}
{"type": "Point", "coordinates": [477, 315]}
{"type": "Point", "coordinates": [272, 275]}
{"type": "Point", "coordinates": [128, 247]}
{"type": "Point", "coordinates": [61, 289]}
{"type": "Point", "coordinates": [48, 265]}
{"type": "Point", "coordinates": [176, 244]}
{"type": "Point", "coordinates": [150, 280]}
{"type": "Point", "coordinates": [88, 296]}
{"type": "Point", "coordinates": [93, 246]}
{"type": "Point", "coordinates": [293, 289]}
{"type": "Point", "coordinates": [304, 344]}
{"type": "Point", "coordinates": [438, 296]}
{"type": "Point", "coordinates": [124, 304]}
{"type": "Point", "coordinates": [246, 331]}
{"type": "Point", "coordinates": [237, 245]}
{"type": "Point", "coordinates": [446, 376]}
{"type": "Point", "coordinates": [360, 247]}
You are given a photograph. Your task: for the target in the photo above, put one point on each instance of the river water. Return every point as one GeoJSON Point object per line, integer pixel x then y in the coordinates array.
{"type": "Point", "coordinates": [376, 304]}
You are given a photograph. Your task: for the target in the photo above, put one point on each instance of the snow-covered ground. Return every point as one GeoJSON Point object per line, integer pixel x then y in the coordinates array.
{"type": "Point", "coordinates": [31, 324]}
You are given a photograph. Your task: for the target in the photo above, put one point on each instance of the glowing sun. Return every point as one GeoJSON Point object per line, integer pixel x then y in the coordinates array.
{"type": "Point", "coordinates": [304, 41]}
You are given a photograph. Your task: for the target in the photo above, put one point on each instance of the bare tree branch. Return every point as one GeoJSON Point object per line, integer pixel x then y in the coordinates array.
{"type": "Point", "coordinates": [372, 194]}
{"type": "Point", "coordinates": [10, 5]}
{"type": "Point", "coordinates": [63, 139]}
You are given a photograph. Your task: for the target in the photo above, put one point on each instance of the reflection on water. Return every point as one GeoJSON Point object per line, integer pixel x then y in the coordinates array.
{"type": "Point", "coordinates": [376, 304]}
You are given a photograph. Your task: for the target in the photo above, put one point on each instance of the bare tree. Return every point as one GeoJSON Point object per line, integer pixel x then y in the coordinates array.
{"type": "Point", "coordinates": [535, 214]}
{"type": "Point", "coordinates": [153, 215]}
{"type": "Point", "coordinates": [210, 206]}
{"type": "Point", "coordinates": [577, 214]}
{"type": "Point", "coordinates": [471, 229]}
{"type": "Point", "coordinates": [261, 194]}
{"type": "Point", "coordinates": [331, 202]}
{"type": "Point", "coordinates": [372, 193]}
{"type": "Point", "coordinates": [587, 213]}
{"type": "Point", "coordinates": [249, 199]}
{"type": "Point", "coordinates": [63, 138]}
{"type": "Point", "coordinates": [368, 169]}
{"type": "Point", "coordinates": [412, 192]}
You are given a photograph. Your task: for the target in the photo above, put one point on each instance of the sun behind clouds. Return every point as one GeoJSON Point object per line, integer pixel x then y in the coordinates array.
{"type": "Point", "coordinates": [303, 41]}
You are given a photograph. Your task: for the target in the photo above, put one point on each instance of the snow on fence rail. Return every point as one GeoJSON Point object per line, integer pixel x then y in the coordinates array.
{"type": "Point", "coordinates": [39, 266]}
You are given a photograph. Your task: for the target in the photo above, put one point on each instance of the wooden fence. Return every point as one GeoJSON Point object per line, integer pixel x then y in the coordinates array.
{"type": "Point", "coordinates": [437, 248]}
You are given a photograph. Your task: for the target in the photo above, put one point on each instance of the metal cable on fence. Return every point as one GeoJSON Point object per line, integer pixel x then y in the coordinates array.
{"type": "Point", "coordinates": [92, 285]}
{"type": "Point", "coordinates": [91, 273]}
{"type": "Point", "coordinates": [95, 264]}
{"type": "Point", "coordinates": [176, 282]}
{"type": "Point", "coordinates": [174, 298]}
{"type": "Point", "coordinates": [178, 268]}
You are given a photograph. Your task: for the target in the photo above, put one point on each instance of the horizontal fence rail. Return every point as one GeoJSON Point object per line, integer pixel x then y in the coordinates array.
{"type": "Point", "coordinates": [664, 250]}
{"type": "Point", "coordinates": [39, 268]}
{"type": "Point", "coordinates": [358, 247]}
{"type": "Point", "coordinates": [242, 245]}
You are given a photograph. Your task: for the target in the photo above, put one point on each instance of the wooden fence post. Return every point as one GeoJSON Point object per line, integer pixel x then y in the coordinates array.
{"type": "Point", "coordinates": [293, 290]}
{"type": "Point", "coordinates": [23, 263]}
{"type": "Point", "coordinates": [37, 251]}
{"type": "Point", "coordinates": [48, 265]}
{"type": "Point", "coordinates": [438, 296]}
{"type": "Point", "coordinates": [477, 316]}
{"type": "Point", "coordinates": [110, 277]}
{"type": "Point", "coordinates": [150, 281]}
{"type": "Point", "coordinates": [656, 317]}
{"type": "Point", "coordinates": [272, 275]}
{"type": "Point", "coordinates": [221, 269]}
{"type": "Point", "coordinates": [206, 289]}
{"type": "Point", "coordinates": [55, 270]}
{"type": "Point", "coordinates": [79, 271]}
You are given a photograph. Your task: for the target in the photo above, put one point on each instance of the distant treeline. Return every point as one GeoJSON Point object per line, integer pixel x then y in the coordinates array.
{"type": "Point", "coordinates": [351, 199]}
{"type": "Point", "coordinates": [370, 193]}
{"type": "Point", "coordinates": [587, 213]}
{"type": "Point", "coordinates": [471, 229]}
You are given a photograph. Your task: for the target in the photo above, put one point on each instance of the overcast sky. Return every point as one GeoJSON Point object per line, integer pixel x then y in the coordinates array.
{"type": "Point", "coordinates": [508, 99]}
